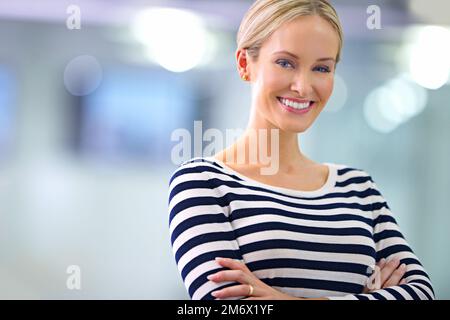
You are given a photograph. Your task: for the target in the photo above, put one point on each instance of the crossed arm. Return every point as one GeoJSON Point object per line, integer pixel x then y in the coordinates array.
{"type": "Point", "coordinates": [391, 274]}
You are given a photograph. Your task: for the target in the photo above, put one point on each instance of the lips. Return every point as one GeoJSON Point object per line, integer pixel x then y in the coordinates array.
{"type": "Point", "coordinates": [296, 106]}
{"type": "Point", "coordinates": [296, 100]}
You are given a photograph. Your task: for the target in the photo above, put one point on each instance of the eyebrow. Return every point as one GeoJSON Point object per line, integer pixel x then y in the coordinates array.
{"type": "Point", "coordinates": [293, 55]}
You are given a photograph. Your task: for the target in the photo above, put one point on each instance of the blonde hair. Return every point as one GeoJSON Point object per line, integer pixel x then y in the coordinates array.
{"type": "Point", "coordinates": [265, 16]}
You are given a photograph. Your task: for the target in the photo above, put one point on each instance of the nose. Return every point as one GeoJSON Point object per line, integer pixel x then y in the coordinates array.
{"type": "Point", "coordinates": [302, 84]}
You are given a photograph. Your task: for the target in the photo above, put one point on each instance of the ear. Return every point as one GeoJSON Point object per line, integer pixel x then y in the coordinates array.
{"type": "Point", "coordinates": [242, 62]}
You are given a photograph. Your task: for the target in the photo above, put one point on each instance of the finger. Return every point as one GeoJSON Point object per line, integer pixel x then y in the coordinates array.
{"type": "Point", "coordinates": [233, 291]}
{"type": "Point", "coordinates": [388, 269]}
{"type": "Point", "coordinates": [379, 266]}
{"type": "Point", "coordinates": [230, 275]}
{"type": "Point", "coordinates": [396, 277]}
{"type": "Point", "coordinates": [232, 264]}
{"type": "Point", "coordinates": [381, 263]}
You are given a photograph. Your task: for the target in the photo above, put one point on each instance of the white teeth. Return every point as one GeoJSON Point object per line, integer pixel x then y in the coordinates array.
{"type": "Point", "coordinates": [295, 105]}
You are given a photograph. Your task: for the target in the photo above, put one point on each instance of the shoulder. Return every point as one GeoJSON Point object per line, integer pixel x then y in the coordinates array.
{"type": "Point", "coordinates": [198, 168]}
{"type": "Point", "coordinates": [350, 174]}
{"type": "Point", "coordinates": [192, 184]}
{"type": "Point", "coordinates": [350, 170]}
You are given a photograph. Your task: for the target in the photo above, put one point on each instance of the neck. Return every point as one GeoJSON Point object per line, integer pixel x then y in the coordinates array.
{"type": "Point", "coordinates": [263, 145]}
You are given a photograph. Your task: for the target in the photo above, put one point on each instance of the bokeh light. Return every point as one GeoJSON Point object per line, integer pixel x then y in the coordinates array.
{"type": "Point", "coordinates": [394, 103]}
{"type": "Point", "coordinates": [82, 75]}
{"type": "Point", "coordinates": [175, 39]}
{"type": "Point", "coordinates": [429, 63]}
{"type": "Point", "coordinates": [339, 97]}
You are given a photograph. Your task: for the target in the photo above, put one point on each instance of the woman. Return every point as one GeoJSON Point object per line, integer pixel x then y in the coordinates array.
{"type": "Point", "coordinates": [306, 230]}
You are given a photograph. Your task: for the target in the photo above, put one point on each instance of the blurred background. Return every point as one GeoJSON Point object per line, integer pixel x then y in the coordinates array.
{"type": "Point", "coordinates": [92, 90]}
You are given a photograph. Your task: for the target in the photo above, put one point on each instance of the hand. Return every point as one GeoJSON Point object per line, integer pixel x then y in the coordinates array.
{"type": "Point", "coordinates": [250, 286]}
{"type": "Point", "coordinates": [390, 274]}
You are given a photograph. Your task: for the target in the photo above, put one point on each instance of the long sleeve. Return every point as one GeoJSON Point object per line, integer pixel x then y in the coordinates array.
{"type": "Point", "coordinates": [200, 229]}
{"type": "Point", "coordinates": [390, 242]}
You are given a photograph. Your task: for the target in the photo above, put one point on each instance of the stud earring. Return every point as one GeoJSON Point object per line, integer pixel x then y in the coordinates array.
{"type": "Point", "coordinates": [244, 77]}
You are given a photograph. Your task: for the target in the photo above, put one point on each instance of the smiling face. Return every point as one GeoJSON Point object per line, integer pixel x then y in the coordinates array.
{"type": "Point", "coordinates": [293, 75]}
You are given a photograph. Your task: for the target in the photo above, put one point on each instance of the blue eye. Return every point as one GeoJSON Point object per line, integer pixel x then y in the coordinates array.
{"type": "Point", "coordinates": [323, 69]}
{"type": "Point", "coordinates": [283, 62]}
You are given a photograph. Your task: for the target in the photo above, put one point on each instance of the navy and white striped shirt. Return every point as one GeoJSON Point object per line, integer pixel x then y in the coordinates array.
{"type": "Point", "coordinates": [306, 244]}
